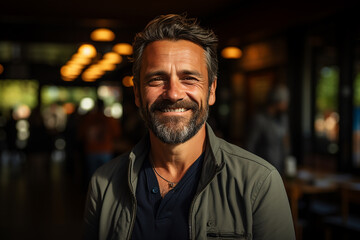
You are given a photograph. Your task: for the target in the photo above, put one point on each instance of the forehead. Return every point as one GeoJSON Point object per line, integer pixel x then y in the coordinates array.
{"type": "Point", "coordinates": [181, 52]}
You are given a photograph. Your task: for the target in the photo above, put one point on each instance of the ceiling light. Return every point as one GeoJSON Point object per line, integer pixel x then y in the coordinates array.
{"type": "Point", "coordinates": [70, 71]}
{"type": "Point", "coordinates": [87, 50]}
{"type": "Point", "coordinates": [92, 73]}
{"type": "Point", "coordinates": [102, 35]}
{"type": "Point", "coordinates": [106, 65]}
{"type": "Point", "coordinates": [231, 52]}
{"type": "Point", "coordinates": [123, 49]}
{"type": "Point", "coordinates": [113, 57]}
{"type": "Point", "coordinates": [80, 59]}
{"type": "Point", "coordinates": [88, 78]}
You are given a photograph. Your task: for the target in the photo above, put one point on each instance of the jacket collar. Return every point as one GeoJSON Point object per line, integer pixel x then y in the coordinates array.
{"type": "Point", "coordinates": [213, 163]}
{"type": "Point", "coordinates": [137, 157]}
{"type": "Point", "coordinates": [213, 145]}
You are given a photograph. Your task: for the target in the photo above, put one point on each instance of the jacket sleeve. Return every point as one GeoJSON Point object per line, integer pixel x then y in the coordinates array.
{"type": "Point", "coordinates": [91, 213]}
{"type": "Point", "coordinates": [272, 218]}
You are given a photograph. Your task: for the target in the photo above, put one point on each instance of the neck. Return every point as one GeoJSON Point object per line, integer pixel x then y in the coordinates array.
{"type": "Point", "coordinates": [175, 159]}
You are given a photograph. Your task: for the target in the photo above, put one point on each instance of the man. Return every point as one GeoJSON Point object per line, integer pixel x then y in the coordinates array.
{"type": "Point", "coordinates": [269, 134]}
{"type": "Point", "coordinates": [181, 181]}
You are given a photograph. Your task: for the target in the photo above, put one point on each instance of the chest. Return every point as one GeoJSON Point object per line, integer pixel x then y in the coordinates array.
{"type": "Point", "coordinates": [220, 214]}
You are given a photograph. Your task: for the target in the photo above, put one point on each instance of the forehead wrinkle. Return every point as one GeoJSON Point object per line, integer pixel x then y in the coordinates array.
{"type": "Point", "coordinates": [184, 58]}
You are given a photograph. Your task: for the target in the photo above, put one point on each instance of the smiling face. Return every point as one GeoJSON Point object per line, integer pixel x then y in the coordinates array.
{"type": "Point", "coordinates": [173, 94]}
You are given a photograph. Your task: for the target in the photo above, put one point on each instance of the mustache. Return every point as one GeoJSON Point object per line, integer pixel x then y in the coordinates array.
{"type": "Point", "coordinates": [162, 104]}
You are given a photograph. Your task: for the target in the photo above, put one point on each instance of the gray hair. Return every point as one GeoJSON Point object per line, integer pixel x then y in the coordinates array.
{"type": "Point", "coordinates": [176, 27]}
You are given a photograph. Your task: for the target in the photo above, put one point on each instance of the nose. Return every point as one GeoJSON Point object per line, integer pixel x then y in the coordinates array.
{"type": "Point", "coordinates": [174, 90]}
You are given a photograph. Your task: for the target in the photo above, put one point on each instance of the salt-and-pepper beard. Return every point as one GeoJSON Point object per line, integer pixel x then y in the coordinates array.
{"type": "Point", "coordinates": [174, 129]}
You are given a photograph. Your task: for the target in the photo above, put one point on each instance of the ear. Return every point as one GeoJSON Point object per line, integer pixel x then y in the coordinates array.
{"type": "Point", "coordinates": [212, 96]}
{"type": "Point", "coordinates": [136, 90]}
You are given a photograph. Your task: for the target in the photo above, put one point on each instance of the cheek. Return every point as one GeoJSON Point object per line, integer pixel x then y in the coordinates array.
{"type": "Point", "coordinates": [150, 95]}
{"type": "Point", "coordinates": [199, 96]}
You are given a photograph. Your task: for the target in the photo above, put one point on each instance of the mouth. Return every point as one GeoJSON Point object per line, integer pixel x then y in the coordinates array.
{"type": "Point", "coordinates": [169, 108]}
{"type": "Point", "coordinates": [176, 110]}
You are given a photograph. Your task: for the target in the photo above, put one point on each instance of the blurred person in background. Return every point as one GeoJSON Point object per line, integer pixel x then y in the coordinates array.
{"type": "Point", "coordinates": [181, 181]}
{"type": "Point", "coordinates": [269, 134]}
{"type": "Point", "coordinates": [98, 135]}
{"type": "Point", "coordinates": [39, 145]}
{"type": "Point", "coordinates": [12, 153]}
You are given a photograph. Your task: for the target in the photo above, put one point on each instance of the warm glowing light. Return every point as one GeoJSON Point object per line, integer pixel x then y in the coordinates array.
{"type": "Point", "coordinates": [106, 65]}
{"type": "Point", "coordinates": [102, 35]}
{"type": "Point", "coordinates": [330, 123]}
{"type": "Point", "coordinates": [123, 48]}
{"type": "Point", "coordinates": [80, 59]}
{"type": "Point", "coordinates": [92, 73]}
{"type": "Point", "coordinates": [128, 81]}
{"type": "Point", "coordinates": [95, 70]}
{"type": "Point", "coordinates": [21, 112]}
{"type": "Point", "coordinates": [87, 50]}
{"type": "Point", "coordinates": [68, 79]}
{"type": "Point", "coordinates": [319, 125]}
{"type": "Point", "coordinates": [113, 57]}
{"type": "Point", "coordinates": [88, 77]}
{"type": "Point", "coordinates": [1, 69]}
{"type": "Point", "coordinates": [70, 71]}
{"type": "Point", "coordinates": [231, 52]}
{"type": "Point", "coordinates": [69, 108]}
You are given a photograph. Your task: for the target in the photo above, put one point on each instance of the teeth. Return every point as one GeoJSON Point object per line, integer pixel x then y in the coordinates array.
{"type": "Point", "coordinates": [175, 110]}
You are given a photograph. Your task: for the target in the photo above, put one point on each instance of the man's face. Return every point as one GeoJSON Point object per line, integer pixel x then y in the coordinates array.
{"type": "Point", "coordinates": [173, 92]}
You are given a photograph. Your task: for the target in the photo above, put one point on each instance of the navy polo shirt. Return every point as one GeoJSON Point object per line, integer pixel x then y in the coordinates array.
{"type": "Point", "coordinates": [164, 218]}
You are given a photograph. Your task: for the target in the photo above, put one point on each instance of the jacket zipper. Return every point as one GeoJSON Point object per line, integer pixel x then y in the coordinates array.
{"type": "Point", "coordinates": [196, 196]}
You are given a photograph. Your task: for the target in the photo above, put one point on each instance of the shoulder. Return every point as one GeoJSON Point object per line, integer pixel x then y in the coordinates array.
{"type": "Point", "coordinates": [248, 170]}
{"type": "Point", "coordinates": [115, 168]}
{"type": "Point", "coordinates": [239, 157]}
{"type": "Point", "coordinates": [245, 168]}
{"type": "Point", "coordinates": [236, 157]}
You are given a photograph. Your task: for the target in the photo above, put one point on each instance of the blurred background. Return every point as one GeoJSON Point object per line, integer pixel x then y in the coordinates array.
{"type": "Point", "coordinates": [65, 68]}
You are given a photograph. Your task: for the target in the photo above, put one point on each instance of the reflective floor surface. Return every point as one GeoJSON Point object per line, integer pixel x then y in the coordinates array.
{"type": "Point", "coordinates": [41, 197]}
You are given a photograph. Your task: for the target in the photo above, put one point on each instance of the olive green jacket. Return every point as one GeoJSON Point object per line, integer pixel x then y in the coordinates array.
{"type": "Point", "coordinates": [239, 196]}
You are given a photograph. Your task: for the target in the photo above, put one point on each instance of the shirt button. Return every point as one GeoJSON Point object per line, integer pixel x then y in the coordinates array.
{"type": "Point", "coordinates": [211, 223]}
{"type": "Point", "coordinates": [155, 190]}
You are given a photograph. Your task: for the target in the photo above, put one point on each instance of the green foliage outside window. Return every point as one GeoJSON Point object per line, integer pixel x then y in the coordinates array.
{"type": "Point", "coordinates": [357, 91]}
{"type": "Point", "coordinates": [17, 92]}
{"type": "Point", "coordinates": [53, 94]}
{"type": "Point", "coordinates": [327, 89]}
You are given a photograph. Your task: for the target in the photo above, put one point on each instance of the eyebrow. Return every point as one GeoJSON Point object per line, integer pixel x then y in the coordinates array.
{"type": "Point", "coordinates": [155, 73]}
{"type": "Point", "coordinates": [183, 72]}
{"type": "Point", "coordinates": [190, 72]}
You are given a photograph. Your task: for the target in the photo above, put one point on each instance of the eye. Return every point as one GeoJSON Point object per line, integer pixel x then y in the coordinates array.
{"type": "Point", "coordinates": [155, 81]}
{"type": "Point", "coordinates": [189, 79]}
